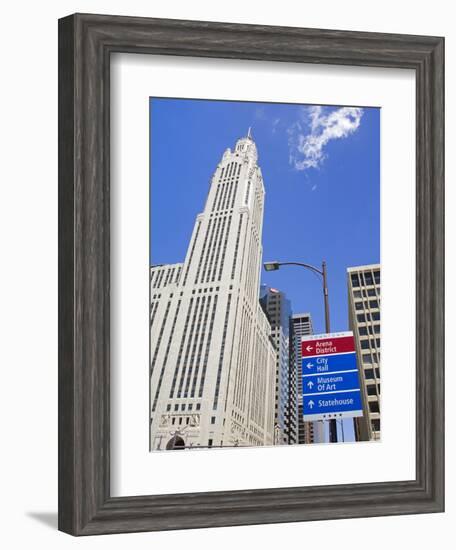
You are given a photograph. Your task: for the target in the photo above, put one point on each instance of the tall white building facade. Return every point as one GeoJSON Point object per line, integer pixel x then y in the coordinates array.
{"type": "Point", "coordinates": [212, 362]}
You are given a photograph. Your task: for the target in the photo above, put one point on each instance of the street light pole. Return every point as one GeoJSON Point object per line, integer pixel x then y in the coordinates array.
{"type": "Point", "coordinates": [325, 296]}
{"type": "Point", "coordinates": [273, 266]}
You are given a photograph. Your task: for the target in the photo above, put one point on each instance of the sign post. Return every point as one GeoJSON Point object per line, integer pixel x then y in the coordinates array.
{"type": "Point", "coordinates": [330, 380]}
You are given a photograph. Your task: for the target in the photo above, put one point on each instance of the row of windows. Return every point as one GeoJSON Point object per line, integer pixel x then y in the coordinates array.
{"type": "Point", "coordinates": [366, 344]}
{"type": "Point", "coordinates": [370, 375]}
{"type": "Point", "coordinates": [157, 347]}
{"type": "Point", "coordinates": [154, 307]}
{"type": "Point", "coordinates": [206, 353]}
{"type": "Point", "coordinates": [371, 329]}
{"type": "Point", "coordinates": [364, 293]}
{"type": "Point", "coordinates": [243, 359]}
{"type": "Point", "coordinates": [365, 279]}
{"type": "Point", "coordinates": [217, 232]}
{"type": "Point", "coordinates": [222, 260]}
{"type": "Point", "coordinates": [366, 317]}
{"type": "Point", "coordinates": [165, 276]}
{"type": "Point", "coordinates": [184, 407]}
{"type": "Point", "coordinates": [224, 196]}
{"type": "Point", "coordinates": [226, 200]}
{"type": "Point", "coordinates": [252, 273]}
{"type": "Point", "coordinates": [191, 345]}
{"type": "Point", "coordinates": [165, 360]}
{"type": "Point", "coordinates": [364, 305]}
{"type": "Point", "coordinates": [181, 348]}
{"type": "Point", "coordinates": [209, 225]}
{"type": "Point", "coordinates": [236, 247]}
{"type": "Point", "coordinates": [180, 420]}
{"type": "Point", "coordinates": [369, 358]}
{"type": "Point", "coordinates": [157, 278]}
{"type": "Point", "coordinates": [222, 353]}
{"type": "Point", "coordinates": [191, 252]}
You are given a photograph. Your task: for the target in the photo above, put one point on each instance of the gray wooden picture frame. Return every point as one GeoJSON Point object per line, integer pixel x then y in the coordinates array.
{"type": "Point", "coordinates": [85, 45]}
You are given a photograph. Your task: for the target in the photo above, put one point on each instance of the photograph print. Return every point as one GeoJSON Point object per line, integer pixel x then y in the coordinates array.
{"type": "Point", "coordinates": [264, 274]}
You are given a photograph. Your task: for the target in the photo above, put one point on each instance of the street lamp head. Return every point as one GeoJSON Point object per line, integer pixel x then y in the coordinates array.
{"type": "Point", "coordinates": [271, 266]}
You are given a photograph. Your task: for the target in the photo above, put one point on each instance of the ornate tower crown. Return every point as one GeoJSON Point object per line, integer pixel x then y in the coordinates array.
{"type": "Point", "coordinates": [246, 145]}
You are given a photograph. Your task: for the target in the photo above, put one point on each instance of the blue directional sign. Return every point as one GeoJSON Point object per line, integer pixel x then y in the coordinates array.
{"type": "Point", "coordinates": [323, 383]}
{"type": "Point", "coordinates": [329, 363]}
{"type": "Point", "coordinates": [330, 381]}
{"type": "Point", "coordinates": [332, 405]}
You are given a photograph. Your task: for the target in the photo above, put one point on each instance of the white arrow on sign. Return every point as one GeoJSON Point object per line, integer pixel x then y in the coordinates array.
{"type": "Point", "coordinates": [308, 348]}
{"type": "Point", "coordinates": [309, 365]}
{"type": "Point", "coordinates": [311, 404]}
{"type": "Point", "coordinates": [310, 384]}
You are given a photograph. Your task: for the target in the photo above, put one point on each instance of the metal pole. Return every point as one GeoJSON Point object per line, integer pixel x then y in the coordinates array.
{"type": "Point", "coordinates": [333, 422]}
{"type": "Point", "coordinates": [325, 296]}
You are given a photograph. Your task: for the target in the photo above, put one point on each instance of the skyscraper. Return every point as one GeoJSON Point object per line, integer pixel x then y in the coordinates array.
{"type": "Point", "coordinates": [364, 319]}
{"type": "Point", "coordinates": [278, 310]}
{"type": "Point", "coordinates": [212, 363]}
{"type": "Point", "coordinates": [301, 325]}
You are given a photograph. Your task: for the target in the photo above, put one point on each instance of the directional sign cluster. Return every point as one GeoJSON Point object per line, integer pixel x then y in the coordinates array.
{"type": "Point", "coordinates": [330, 380]}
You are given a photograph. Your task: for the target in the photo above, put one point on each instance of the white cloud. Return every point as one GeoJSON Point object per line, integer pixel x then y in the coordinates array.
{"type": "Point", "coordinates": [275, 122]}
{"type": "Point", "coordinates": [260, 113]}
{"type": "Point", "coordinates": [308, 137]}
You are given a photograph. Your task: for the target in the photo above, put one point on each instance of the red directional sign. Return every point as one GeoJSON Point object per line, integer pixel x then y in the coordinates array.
{"type": "Point", "coordinates": [327, 345]}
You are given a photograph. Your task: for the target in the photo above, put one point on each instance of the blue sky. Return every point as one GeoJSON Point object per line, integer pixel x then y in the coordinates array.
{"type": "Point", "coordinates": [321, 170]}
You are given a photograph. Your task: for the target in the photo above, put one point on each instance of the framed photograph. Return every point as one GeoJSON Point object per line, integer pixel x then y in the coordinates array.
{"type": "Point", "coordinates": [251, 274]}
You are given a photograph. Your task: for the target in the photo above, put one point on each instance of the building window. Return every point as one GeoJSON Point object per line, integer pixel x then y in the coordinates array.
{"type": "Point", "coordinates": [369, 374]}
{"type": "Point", "coordinates": [198, 406]}
{"type": "Point", "coordinates": [364, 344]}
{"type": "Point", "coordinates": [361, 318]}
{"type": "Point", "coordinates": [209, 442]}
{"type": "Point", "coordinates": [371, 389]}
{"type": "Point", "coordinates": [168, 407]}
{"type": "Point", "coordinates": [376, 424]}
{"type": "Point", "coordinates": [355, 280]}
{"type": "Point", "coordinates": [213, 420]}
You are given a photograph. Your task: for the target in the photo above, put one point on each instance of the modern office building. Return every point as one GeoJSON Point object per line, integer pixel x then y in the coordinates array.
{"type": "Point", "coordinates": [278, 310]}
{"type": "Point", "coordinates": [212, 362]}
{"type": "Point", "coordinates": [301, 325]}
{"type": "Point", "coordinates": [364, 319]}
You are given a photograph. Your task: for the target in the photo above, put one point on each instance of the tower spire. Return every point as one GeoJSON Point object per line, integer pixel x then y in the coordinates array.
{"type": "Point", "coordinates": [249, 133]}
